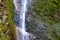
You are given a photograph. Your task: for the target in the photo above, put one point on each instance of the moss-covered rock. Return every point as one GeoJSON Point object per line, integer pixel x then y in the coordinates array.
{"type": "Point", "coordinates": [46, 12]}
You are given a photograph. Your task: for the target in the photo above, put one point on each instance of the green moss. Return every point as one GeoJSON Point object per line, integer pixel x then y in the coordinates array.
{"type": "Point", "coordinates": [8, 32]}
{"type": "Point", "coordinates": [11, 17]}
{"type": "Point", "coordinates": [49, 11]}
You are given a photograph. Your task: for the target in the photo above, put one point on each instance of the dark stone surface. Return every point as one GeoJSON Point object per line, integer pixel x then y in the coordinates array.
{"type": "Point", "coordinates": [36, 27]}
{"type": "Point", "coordinates": [16, 17]}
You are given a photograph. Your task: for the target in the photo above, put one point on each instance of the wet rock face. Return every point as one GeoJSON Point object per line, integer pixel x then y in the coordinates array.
{"type": "Point", "coordinates": [35, 25]}
{"type": "Point", "coordinates": [16, 17]}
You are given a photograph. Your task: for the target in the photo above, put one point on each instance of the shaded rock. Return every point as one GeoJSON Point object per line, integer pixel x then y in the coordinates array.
{"type": "Point", "coordinates": [16, 18]}
{"type": "Point", "coordinates": [36, 26]}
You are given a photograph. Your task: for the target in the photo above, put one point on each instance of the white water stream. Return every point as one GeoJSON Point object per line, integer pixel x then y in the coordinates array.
{"type": "Point", "coordinates": [21, 6]}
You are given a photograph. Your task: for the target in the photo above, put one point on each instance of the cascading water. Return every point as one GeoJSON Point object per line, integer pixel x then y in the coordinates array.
{"type": "Point", "coordinates": [22, 34]}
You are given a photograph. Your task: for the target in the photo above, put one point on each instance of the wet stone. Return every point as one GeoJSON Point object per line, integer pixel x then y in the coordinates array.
{"type": "Point", "coordinates": [16, 18]}
{"type": "Point", "coordinates": [35, 26]}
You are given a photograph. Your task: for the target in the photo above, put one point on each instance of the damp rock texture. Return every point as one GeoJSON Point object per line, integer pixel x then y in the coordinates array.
{"type": "Point", "coordinates": [41, 17]}
{"type": "Point", "coordinates": [37, 28]}
{"type": "Point", "coordinates": [35, 25]}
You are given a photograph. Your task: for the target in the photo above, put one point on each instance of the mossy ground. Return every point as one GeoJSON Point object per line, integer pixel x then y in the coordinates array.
{"type": "Point", "coordinates": [7, 32]}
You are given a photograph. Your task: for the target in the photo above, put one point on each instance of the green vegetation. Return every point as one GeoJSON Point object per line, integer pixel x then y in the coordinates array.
{"type": "Point", "coordinates": [11, 17]}
{"type": "Point", "coordinates": [7, 29]}
{"type": "Point", "coordinates": [49, 11]}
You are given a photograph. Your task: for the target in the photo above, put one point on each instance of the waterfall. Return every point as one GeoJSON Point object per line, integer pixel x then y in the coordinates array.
{"type": "Point", "coordinates": [21, 7]}
{"type": "Point", "coordinates": [22, 14]}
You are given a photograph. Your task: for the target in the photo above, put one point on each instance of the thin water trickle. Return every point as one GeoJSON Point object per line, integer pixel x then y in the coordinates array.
{"type": "Point", "coordinates": [22, 13]}
{"type": "Point", "coordinates": [21, 30]}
